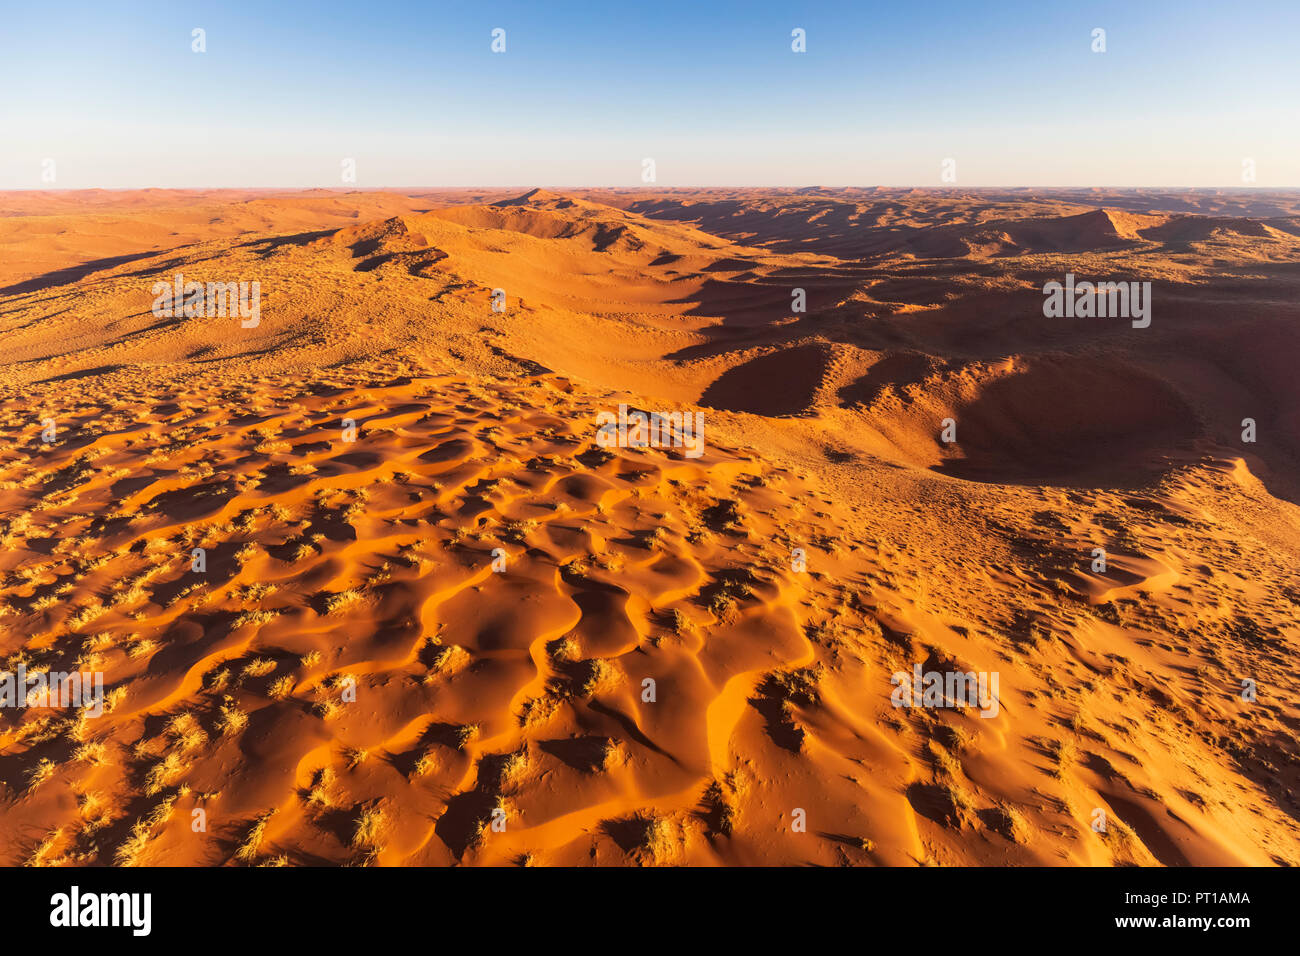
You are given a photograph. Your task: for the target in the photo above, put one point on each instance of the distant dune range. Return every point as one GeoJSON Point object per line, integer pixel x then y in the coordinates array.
{"type": "Point", "coordinates": [522, 692]}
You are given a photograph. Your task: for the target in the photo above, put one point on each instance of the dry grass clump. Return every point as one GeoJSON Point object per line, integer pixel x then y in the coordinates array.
{"type": "Point", "coordinates": [659, 841]}
{"type": "Point", "coordinates": [465, 734]}
{"type": "Point", "coordinates": [945, 761]}
{"type": "Point", "coordinates": [185, 730]}
{"type": "Point", "coordinates": [252, 845]}
{"type": "Point", "coordinates": [93, 753]}
{"type": "Point", "coordinates": [953, 803]}
{"type": "Point", "coordinates": [723, 606]}
{"type": "Point", "coordinates": [113, 698]}
{"type": "Point", "coordinates": [449, 660]}
{"type": "Point", "coordinates": [600, 676]}
{"type": "Point", "coordinates": [131, 850]}
{"type": "Point", "coordinates": [799, 686]}
{"type": "Point", "coordinates": [368, 834]}
{"type": "Point", "coordinates": [142, 647]}
{"type": "Point", "coordinates": [1062, 754]}
{"type": "Point", "coordinates": [340, 602]}
{"type": "Point", "coordinates": [333, 692]}
{"type": "Point", "coordinates": [232, 719]}
{"type": "Point", "coordinates": [259, 667]}
{"type": "Point", "coordinates": [537, 711]}
{"type": "Point", "coordinates": [1008, 821]}
{"type": "Point", "coordinates": [43, 854]}
{"type": "Point", "coordinates": [499, 811]}
{"type": "Point", "coordinates": [253, 593]}
{"type": "Point", "coordinates": [425, 764]}
{"type": "Point", "coordinates": [319, 795]}
{"type": "Point", "coordinates": [43, 771]}
{"type": "Point", "coordinates": [564, 649]}
{"type": "Point", "coordinates": [95, 811]}
{"type": "Point", "coordinates": [257, 617]}
{"type": "Point", "coordinates": [85, 615]}
{"type": "Point", "coordinates": [1124, 844]}
{"type": "Point", "coordinates": [577, 570]}
{"type": "Point", "coordinates": [502, 770]}
{"type": "Point", "coordinates": [722, 809]}
{"type": "Point", "coordinates": [516, 532]}
{"type": "Point", "coordinates": [162, 774]}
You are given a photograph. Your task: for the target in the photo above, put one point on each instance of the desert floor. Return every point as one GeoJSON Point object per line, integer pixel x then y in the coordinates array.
{"type": "Point", "coordinates": [431, 645]}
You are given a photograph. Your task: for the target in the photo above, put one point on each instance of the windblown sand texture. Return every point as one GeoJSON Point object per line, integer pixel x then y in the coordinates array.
{"type": "Point", "coordinates": [519, 695]}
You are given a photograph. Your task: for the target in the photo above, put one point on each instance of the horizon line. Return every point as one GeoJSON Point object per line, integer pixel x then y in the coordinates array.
{"type": "Point", "coordinates": [945, 187]}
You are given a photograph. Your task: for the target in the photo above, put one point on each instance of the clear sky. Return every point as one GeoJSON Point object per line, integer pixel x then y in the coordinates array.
{"type": "Point", "coordinates": [711, 91]}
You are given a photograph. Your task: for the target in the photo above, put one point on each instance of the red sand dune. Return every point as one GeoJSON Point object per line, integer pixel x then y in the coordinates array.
{"type": "Point", "coordinates": [350, 679]}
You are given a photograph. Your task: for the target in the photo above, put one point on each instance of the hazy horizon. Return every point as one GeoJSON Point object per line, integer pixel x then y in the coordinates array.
{"type": "Point", "coordinates": [1183, 96]}
{"type": "Point", "coordinates": [653, 187]}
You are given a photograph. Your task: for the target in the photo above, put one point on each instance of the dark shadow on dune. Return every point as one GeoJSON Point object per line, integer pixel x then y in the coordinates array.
{"type": "Point", "coordinates": [297, 239]}
{"type": "Point", "coordinates": [81, 373]}
{"type": "Point", "coordinates": [779, 383]}
{"type": "Point", "coordinates": [1153, 834]}
{"type": "Point", "coordinates": [73, 273]}
{"type": "Point", "coordinates": [936, 803]}
{"type": "Point", "coordinates": [1070, 421]}
{"type": "Point", "coordinates": [462, 822]}
{"type": "Point", "coordinates": [633, 834]}
{"type": "Point", "coordinates": [587, 754]}
{"type": "Point", "coordinates": [893, 372]}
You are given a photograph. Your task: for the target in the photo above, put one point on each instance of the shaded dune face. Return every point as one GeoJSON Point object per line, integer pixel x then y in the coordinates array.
{"type": "Point", "coordinates": [1066, 420]}
{"type": "Point", "coordinates": [463, 630]}
{"type": "Point", "coordinates": [892, 373]}
{"type": "Point", "coordinates": [779, 383]}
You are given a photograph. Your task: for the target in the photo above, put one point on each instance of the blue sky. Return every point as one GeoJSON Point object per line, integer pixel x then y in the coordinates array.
{"type": "Point", "coordinates": [712, 92]}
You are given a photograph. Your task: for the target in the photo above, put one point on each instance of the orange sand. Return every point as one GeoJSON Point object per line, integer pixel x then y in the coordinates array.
{"type": "Point", "coordinates": [334, 565]}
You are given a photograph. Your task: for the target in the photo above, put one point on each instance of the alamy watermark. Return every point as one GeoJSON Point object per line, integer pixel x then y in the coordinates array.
{"type": "Point", "coordinates": [74, 908]}
{"type": "Point", "coordinates": [947, 689]}
{"type": "Point", "coordinates": [83, 689]}
{"type": "Point", "coordinates": [1085, 300]}
{"type": "Point", "coordinates": [638, 429]}
{"type": "Point", "coordinates": [195, 300]}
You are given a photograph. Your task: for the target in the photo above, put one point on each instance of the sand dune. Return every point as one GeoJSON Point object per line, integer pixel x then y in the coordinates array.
{"type": "Point", "coordinates": [449, 618]}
